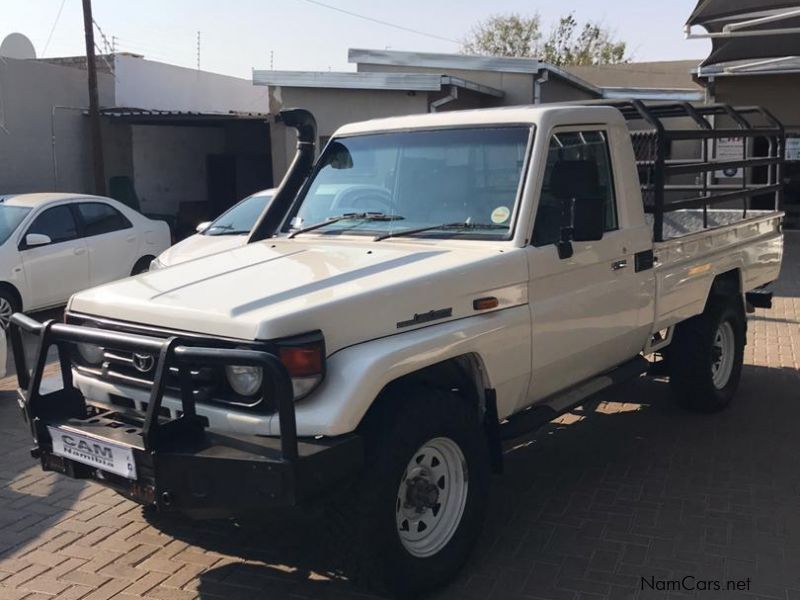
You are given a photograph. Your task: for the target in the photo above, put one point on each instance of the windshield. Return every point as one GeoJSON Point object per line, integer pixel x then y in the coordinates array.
{"type": "Point", "coordinates": [10, 218]}
{"type": "Point", "coordinates": [240, 218]}
{"type": "Point", "coordinates": [423, 178]}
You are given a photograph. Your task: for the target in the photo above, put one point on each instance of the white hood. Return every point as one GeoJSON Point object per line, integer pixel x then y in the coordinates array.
{"type": "Point", "coordinates": [279, 288]}
{"type": "Point", "coordinates": [199, 245]}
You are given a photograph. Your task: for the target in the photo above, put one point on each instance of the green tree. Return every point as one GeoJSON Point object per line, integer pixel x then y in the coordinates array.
{"type": "Point", "coordinates": [504, 35]}
{"type": "Point", "coordinates": [568, 42]}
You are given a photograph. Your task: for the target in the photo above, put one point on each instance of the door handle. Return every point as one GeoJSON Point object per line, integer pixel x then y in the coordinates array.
{"type": "Point", "coordinates": [620, 264]}
{"type": "Point", "coordinates": [79, 251]}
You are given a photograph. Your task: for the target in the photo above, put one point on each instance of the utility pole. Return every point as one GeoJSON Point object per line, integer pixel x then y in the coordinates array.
{"type": "Point", "coordinates": [198, 50]}
{"type": "Point", "coordinates": [94, 104]}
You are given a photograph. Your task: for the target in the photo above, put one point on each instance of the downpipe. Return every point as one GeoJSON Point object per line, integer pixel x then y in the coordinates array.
{"type": "Point", "coordinates": [305, 124]}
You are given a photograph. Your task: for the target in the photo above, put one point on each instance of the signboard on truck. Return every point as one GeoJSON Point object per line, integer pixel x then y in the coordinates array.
{"type": "Point", "coordinates": [729, 149]}
{"type": "Point", "coordinates": [793, 148]}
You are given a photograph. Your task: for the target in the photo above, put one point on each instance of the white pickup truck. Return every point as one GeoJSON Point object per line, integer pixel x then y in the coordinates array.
{"type": "Point", "coordinates": [429, 287]}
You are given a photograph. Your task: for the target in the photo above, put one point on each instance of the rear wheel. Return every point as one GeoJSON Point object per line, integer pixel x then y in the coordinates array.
{"type": "Point", "coordinates": [411, 520]}
{"type": "Point", "coordinates": [706, 356]}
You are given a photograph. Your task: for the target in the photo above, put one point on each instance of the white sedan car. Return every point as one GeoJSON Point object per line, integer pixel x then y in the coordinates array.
{"type": "Point", "coordinates": [53, 245]}
{"type": "Point", "coordinates": [226, 232]}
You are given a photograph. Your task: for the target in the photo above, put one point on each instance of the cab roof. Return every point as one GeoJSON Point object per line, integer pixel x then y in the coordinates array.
{"type": "Point", "coordinates": [507, 115]}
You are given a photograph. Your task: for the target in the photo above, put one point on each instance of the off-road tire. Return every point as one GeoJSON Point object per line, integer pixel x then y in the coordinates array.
{"type": "Point", "coordinates": [362, 517]}
{"type": "Point", "coordinates": [692, 356]}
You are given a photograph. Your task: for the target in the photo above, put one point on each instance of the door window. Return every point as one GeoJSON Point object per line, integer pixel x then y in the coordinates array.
{"type": "Point", "coordinates": [101, 218]}
{"type": "Point", "coordinates": [578, 165]}
{"type": "Point", "coordinates": [57, 223]}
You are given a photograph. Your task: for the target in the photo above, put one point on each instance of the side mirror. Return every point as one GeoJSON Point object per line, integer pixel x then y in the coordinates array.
{"type": "Point", "coordinates": [582, 220]}
{"type": "Point", "coordinates": [203, 226]}
{"type": "Point", "coordinates": [37, 239]}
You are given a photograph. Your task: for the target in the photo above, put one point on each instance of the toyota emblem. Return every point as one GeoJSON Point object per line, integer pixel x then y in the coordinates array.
{"type": "Point", "coordinates": [143, 362]}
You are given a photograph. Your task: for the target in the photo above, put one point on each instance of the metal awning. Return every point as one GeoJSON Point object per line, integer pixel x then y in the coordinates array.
{"type": "Point", "coordinates": [141, 116]}
{"type": "Point", "coordinates": [707, 11]}
{"type": "Point", "coordinates": [747, 30]}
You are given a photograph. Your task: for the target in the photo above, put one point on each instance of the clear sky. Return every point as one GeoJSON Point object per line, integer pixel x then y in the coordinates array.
{"type": "Point", "coordinates": [238, 35]}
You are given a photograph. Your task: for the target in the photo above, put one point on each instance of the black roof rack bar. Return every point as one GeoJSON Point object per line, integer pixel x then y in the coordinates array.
{"type": "Point", "coordinates": [675, 170]}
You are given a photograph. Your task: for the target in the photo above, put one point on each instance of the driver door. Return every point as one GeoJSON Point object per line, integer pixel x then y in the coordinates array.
{"type": "Point", "coordinates": [56, 270]}
{"type": "Point", "coordinates": [588, 310]}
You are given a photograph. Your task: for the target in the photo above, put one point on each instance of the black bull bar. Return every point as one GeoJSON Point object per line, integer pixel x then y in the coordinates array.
{"type": "Point", "coordinates": [179, 464]}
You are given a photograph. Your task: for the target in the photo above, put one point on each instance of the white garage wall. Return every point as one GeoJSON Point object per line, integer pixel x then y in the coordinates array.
{"type": "Point", "coordinates": [152, 85]}
{"type": "Point", "coordinates": [169, 164]}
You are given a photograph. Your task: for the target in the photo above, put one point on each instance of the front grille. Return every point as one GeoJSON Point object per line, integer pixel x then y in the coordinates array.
{"type": "Point", "coordinates": [139, 369]}
{"type": "Point", "coordinates": [209, 384]}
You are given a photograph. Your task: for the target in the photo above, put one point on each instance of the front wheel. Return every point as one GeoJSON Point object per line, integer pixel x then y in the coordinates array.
{"type": "Point", "coordinates": [706, 356]}
{"type": "Point", "coordinates": [8, 306]}
{"type": "Point", "coordinates": [411, 520]}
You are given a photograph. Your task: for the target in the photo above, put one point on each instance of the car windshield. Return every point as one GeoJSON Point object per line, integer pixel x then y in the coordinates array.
{"type": "Point", "coordinates": [240, 218]}
{"type": "Point", "coordinates": [10, 218]}
{"type": "Point", "coordinates": [422, 178]}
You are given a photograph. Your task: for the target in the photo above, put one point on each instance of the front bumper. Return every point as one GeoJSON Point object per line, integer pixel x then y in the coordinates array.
{"type": "Point", "coordinates": [176, 465]}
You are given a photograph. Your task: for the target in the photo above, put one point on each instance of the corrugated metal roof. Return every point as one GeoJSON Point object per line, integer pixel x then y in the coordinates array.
{"type": "Point", "coordinates": [142, 114]}
{"type": "Point", "coordinates": [423, 82]}
{"type": "Point", "coordinates": [445, 61]}
{"type": "Point", "coordinates": [675, 95]}
{"type": "Point", "coordinates": [496, 64]}
{"type": "Point", "coordinates": [362, 81]}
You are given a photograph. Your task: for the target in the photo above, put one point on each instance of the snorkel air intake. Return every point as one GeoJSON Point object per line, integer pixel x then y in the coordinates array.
{"type": "Point", "coordinates": [305, 124]}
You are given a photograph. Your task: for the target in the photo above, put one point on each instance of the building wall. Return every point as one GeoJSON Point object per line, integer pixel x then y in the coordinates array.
{"type": "Point", "coordinates": [44, 136]}
{"type": "Point", "coordinates": [333, 108]}
{"type": "Point", "coordinates": [147, 84]}
{"type": "Point", "coordinates": [169, 164]}
{"type": "Point", "coordinates": [558, 90]}
{"type": "Point", "coordinates": [517, 86]}
{"type": "Point", "coordinates": [777, 93]}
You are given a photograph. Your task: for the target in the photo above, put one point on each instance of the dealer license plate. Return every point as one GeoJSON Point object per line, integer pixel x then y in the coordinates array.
{"type": "Point", "coordinates": [94, 452]}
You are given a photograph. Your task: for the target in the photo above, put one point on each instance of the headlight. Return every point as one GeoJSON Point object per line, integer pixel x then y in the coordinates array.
{"type": "Point", "coordinates": [245, 381]}
{"type": "Point", "coordinates": [92, 354]}
{"type": "Point", "coordinates": [156, 265]}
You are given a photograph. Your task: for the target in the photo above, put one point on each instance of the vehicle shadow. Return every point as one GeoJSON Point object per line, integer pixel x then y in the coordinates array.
{"type": "Point", "coordinates": [619, 478]}
{"type": "Point", "coordinates": [32, 502]}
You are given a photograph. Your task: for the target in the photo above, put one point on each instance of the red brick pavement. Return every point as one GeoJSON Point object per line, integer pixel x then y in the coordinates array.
{"type": "Point", "coordinates": [628, 488]}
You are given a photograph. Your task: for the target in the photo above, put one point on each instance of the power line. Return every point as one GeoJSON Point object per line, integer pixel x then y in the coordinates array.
{"type": "Point", "coordinates": [380, 22]}
{"type": "Point", "coordinates": [53, 28]}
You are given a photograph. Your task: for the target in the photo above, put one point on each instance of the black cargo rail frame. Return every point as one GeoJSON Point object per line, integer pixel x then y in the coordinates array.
{"type": "Point", "coordinates": [652, 147]}
{"type": "Point", "coordinates": [168, 351]}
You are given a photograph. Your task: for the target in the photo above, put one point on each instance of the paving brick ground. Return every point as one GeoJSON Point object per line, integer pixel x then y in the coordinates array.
{"type": "Point", "coordinates": [625, 489]}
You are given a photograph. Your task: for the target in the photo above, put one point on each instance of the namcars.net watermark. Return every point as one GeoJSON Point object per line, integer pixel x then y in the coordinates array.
{"type": "Point", "coordinates": [690, 583]}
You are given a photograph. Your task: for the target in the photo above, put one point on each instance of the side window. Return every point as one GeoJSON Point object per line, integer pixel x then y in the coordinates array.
{"type": "Point", "coordinates": [578, 165]}
{"type": "Point", "coordinates": [57, 223]}
{"type": "Point", "coordinates": [101, 218]}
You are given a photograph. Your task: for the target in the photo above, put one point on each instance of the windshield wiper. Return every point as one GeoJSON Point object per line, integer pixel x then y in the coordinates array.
{"type": "Point", "coordinates": [444, 226]}
{"type": "Point", "coordinates": [364, 216]}
{"type": "Point", "coordinates": [226, 230]}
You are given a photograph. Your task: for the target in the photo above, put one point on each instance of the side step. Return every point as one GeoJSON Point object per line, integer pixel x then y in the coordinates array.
{"type": "Point", "coordinates": [546, 410]}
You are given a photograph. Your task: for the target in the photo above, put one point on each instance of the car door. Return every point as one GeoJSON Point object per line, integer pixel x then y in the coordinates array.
{"type": "Point", "coordinates": [586, 309]}
{"type": "Point", "coordinates": [56, 270]}
{"type": "Point", "coordinates": [111, 240]}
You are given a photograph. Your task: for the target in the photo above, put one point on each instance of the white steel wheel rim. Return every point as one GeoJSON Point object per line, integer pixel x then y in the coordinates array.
{"type": "Point", "coordinates": [431, 497]}
{"type": "Point", "coordinates": [6, 310]}
{"type": "Point", "coordinates": [722, 355]}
